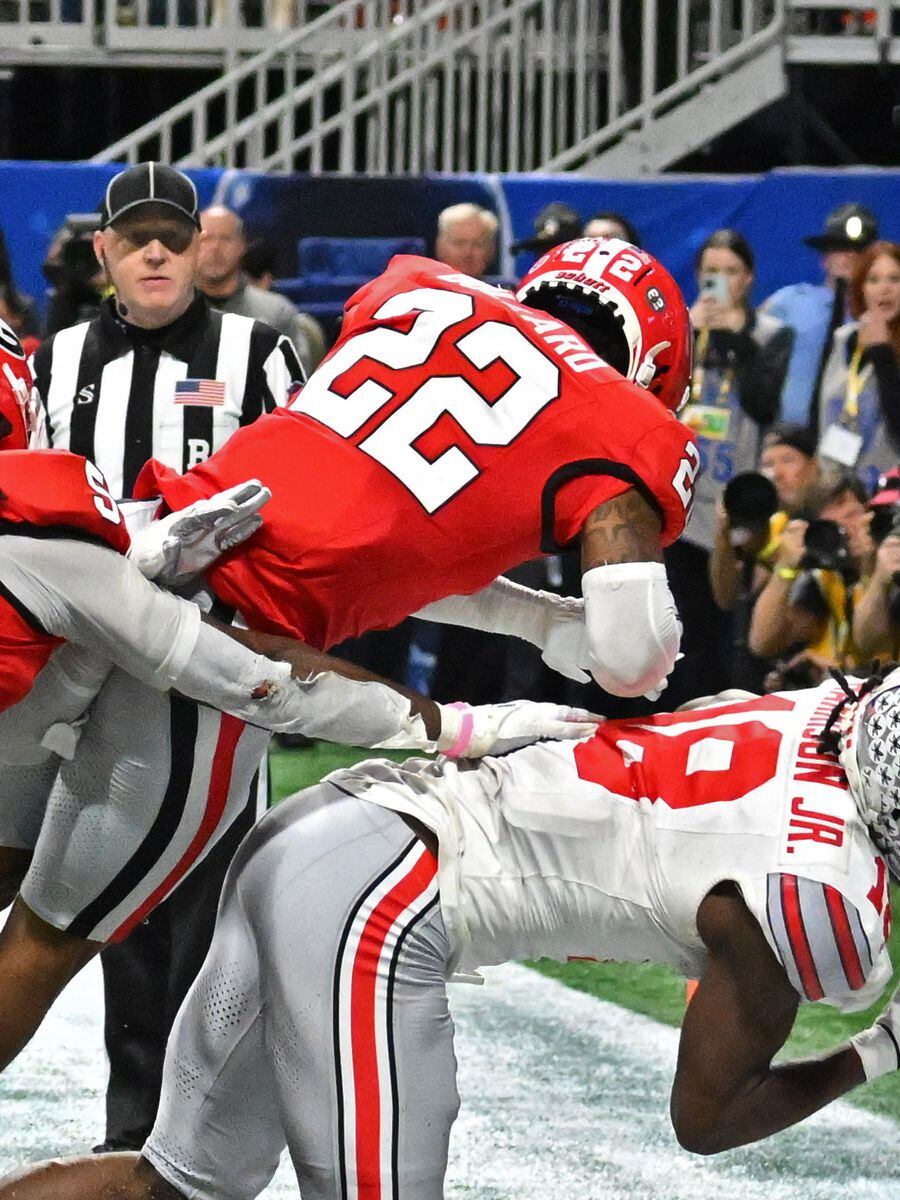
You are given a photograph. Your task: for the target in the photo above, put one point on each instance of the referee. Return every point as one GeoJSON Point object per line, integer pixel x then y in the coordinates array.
{"type": "Point", "coordinates": [158, 374]}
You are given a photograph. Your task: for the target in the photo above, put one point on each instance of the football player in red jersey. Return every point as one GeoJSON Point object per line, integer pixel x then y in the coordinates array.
{"type": "Point", "coordinates": [763, 869]}
{"type": "Point", "coordinates": [456, 431]}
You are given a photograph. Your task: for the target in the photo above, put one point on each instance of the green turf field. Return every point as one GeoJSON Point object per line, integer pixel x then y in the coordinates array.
{"type": "Point", "coordinates": [654, 991]}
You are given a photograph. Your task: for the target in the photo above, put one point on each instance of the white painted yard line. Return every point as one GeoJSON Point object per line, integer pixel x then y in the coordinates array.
{"type": "Point", "coordinates": [563, 1095]}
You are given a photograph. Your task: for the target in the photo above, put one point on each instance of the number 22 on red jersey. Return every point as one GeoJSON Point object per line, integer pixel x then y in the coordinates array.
{"type": "Point", "coordinates": [392, 442]}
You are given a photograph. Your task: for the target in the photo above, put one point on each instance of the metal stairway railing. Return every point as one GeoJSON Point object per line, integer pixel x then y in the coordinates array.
{"type": "Point", "coordinates": [409, 86]}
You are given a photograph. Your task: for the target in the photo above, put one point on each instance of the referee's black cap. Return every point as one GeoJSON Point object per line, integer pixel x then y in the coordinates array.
{"type": "Point", "coordinates": [149, 183]}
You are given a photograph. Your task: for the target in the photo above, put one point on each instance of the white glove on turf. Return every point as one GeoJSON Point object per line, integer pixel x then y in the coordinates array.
{"type": "Point", "coordinates": [468, 732]}
{"type": "Point", "coordinates": [175, 549]}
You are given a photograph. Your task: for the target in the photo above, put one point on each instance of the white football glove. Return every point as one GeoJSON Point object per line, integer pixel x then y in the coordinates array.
{"type": "Point", "coordinates": [177, 548]}
{"type": "Point", "coordinates": [879, 1045]}
{"type": "Point", "coordinates": [468, 732]}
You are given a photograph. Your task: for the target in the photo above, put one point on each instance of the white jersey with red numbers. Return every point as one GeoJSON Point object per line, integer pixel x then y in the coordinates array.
{"type": "Point", "coordinates": [605, 848]}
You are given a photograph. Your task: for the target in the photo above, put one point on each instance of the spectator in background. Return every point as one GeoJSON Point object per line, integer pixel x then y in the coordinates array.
{"type": "Point", "coordinates": [859, 403]}
{"type": "Point", "coordinates": [467, 239]}
{"type": "Point", "coordinates": [612, 224]}
{"type": "Point", "coordinates": [17, 310]}
{"type": "Point", "coordinates": [876, 615]}
{"type": "Point", "coordinates": [789, 459]}
{"type": "Point", "coordinates": [814, 311]}
{"type": "Point", "coordinates": [554, 224]}
{"type": "Point", "coordinates": [258, 263]}
{"type": "Point", "coordinates": [221, 278]}
{"type": "Point", "coordinates": [740, 357]}
{"type": "Point", "coordinates": [804, 614]}
{"type": "Point", "coordinates": [748, 533]}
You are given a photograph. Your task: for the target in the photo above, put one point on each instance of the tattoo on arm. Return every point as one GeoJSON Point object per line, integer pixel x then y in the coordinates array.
{"type": "Point", "coordinates": [625, 529]}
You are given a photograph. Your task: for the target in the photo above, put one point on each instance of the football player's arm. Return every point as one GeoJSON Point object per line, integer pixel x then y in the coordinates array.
{"type": "Point", "coordinates": [555, 624]}
{"type": "Point", "coordinates": [632, 623]}
{"type": "Point", "coordinates": [726, 1091]}
{"type": "Point", "coordinates": [347, 703]}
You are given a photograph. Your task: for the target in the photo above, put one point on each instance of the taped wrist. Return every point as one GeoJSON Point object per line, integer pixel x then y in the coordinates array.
{"type": "Point", "coordinates": [632, 626]}
{"type": "Point", "coordinates": [457, 729]}
{"type": "Point", "coordinates": [878, 1050]}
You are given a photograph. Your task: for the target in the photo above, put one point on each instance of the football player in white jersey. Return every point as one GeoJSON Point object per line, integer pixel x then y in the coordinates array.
{"type": "Point", "coordinates": [748, 843]}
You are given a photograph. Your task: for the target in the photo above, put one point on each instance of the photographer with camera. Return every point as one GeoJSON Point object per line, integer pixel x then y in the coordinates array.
{"type": "Point", "coordinates": [756, 506]}
{"type": "Point", "coordinates": [746, 513]}
{"type": "Point", "coordinates": [876, 615]}
{"type": "Point", "coordinates": [77, 281]}
{"type": "Point", "coordinates": [804, 614]}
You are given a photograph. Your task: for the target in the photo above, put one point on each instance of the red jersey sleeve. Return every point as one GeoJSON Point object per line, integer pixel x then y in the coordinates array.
{"type": "Point", "coordinates": [662, 465]}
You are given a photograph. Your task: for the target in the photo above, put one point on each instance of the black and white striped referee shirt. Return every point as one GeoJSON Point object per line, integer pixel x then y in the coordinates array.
{"type": "Point", "coordinates": [120, 395]}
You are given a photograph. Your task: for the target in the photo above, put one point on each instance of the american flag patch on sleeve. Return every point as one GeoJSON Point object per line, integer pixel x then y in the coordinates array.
{"type": "Point", "coordinates": [210, 392]}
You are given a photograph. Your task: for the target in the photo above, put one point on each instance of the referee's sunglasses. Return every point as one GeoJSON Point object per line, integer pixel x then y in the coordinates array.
{"type": "Point", "coordinates": [176, 236]}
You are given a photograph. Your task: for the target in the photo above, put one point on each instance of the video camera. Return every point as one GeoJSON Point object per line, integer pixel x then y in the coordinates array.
{"type": "Point", "coordinates": [71, 269]}
{"type": "Point", "coordinates": [72, 262]}
{"type": "Point", "coordinates": [825, 548]}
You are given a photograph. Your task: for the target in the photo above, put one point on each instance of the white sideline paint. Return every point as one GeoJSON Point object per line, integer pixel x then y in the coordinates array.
{"type": "Point", "coordinates": [563, 1095]}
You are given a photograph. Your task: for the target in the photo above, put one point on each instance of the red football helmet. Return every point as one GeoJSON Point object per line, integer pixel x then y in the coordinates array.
{"type": "Point", "coordinates": [625, 305]}
{"type": "Point", "coordinates": [19, 408]}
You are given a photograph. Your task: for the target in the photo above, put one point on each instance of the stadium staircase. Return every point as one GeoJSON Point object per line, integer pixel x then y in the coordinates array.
{"type": "Point", "coordinates": [604, 87]}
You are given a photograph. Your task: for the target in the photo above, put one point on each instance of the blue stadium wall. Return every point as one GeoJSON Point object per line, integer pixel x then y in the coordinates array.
{"type": "Point", "coordinates": [673, 213]}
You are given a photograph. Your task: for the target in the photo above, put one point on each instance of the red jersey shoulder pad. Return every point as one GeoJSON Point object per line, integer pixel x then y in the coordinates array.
{"type": "Point", "coordinates": [57, 491]}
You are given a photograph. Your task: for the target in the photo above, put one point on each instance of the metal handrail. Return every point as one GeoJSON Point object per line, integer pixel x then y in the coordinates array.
{"type": "Point", "coordinates": [658, 102]}
{"type": "Point", "coordinates": [545, 83]}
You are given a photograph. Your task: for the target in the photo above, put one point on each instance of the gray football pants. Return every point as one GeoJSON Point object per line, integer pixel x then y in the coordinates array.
{"type": "Point", "coordinates": [155, 782]}
{"type": "Point", "coordinates": [319, 1019]}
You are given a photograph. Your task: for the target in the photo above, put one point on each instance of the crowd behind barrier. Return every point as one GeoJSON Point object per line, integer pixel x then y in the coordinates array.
{"type": "Point", "coordinates": [795, 305]}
